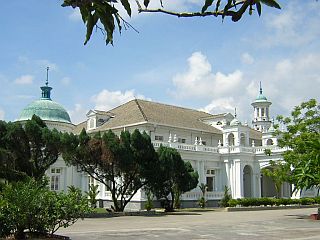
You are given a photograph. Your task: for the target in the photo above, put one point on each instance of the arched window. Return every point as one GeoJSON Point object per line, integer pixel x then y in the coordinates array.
{"type": "Point", "coordinates": [231, 139]}
{"type": "Point", "coordinates": [269, 142]}
{"type": "Point", "coordinates": [242, 139]}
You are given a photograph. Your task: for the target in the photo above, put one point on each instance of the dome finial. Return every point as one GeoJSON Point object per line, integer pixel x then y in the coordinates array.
{"type": "Point", "coordinates": [260, 88]}
{"type": "Point", "coordinates": [47, 81]}
{"type": "Point", "coordinates": [235, 112]}
{"type": "Point", "coordinates": [46, 89]}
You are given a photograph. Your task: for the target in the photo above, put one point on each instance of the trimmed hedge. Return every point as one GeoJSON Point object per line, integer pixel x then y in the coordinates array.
{"type": "Point", "coordinates": [264, 201]}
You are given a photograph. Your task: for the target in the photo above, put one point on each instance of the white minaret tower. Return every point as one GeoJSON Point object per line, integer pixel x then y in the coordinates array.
{"type": "Point", "coordinates": [261, 119]}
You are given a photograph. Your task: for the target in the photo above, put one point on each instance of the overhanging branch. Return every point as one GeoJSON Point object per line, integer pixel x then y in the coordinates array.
{"type": "Point", "coordinates": [224, 12]}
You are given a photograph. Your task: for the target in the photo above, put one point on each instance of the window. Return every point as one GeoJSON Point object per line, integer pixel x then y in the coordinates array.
{"type": "Point", "coordinates": [55, 179]}
{"type": "Point", "coordinates": [158, 138]}
{"type": "Point", "coordinates": [262, 112]}
{"type": "Point", "coordinates": [210, 184]}
{"type": "Point", "coordinates": [269, 142]}
{"type": "Point", "coordinates": [55, 182]}
{"type": "Point", "coordinates": [108, 185]}
{"type": "Point", "coordinates": [219, 123]}
{"type": "Point", "coordinates": [91, 123]}
{"type": "Point", "coordinates": [181, 140]}
{"type": "Point", "coordinates": [210, 180]}
{"type": "Point", "coordinates": [231, 139]}
{"type": "Point", "coordinates": [90, 181]}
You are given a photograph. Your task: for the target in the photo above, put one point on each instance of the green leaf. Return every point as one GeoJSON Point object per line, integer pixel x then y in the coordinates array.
{"type": "Point", "coordinates": [91, 22]}
{"type": "Point", "coordinates": [84, 13]}
{"type": "Point", "coordinates": [108, 24]}
{"type": "Point", "coordinates": [258, 6]}
{"type": "Point", "coordinates": [271, 3]}
{"type": "Point", "coordinates": [126, 5]}
{"type": "Point", "coordinates": [146, 3]}
{"type": "Point", "coordinates": [207, 4]}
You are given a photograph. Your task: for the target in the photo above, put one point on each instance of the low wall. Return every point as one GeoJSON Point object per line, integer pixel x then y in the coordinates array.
{"type": "Point", "coordinates": [139, 205]}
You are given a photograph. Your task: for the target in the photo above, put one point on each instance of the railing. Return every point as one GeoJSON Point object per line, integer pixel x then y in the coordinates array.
{"type": "Point", "coordinates": [272, 148]}
{"type": "Point", "coordinates": [198, 195]}
{"type": "Point", "coordinates": [221, 150]}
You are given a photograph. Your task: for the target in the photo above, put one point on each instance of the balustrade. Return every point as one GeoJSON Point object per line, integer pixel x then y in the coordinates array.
{"type": "Point", "coordinates": [221, 150]}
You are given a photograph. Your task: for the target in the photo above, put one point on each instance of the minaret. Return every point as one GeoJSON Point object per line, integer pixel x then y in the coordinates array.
{"type": "Point", "coordinates": [261, 118]}
{"type": "Point", "coordinates": [46, 89]}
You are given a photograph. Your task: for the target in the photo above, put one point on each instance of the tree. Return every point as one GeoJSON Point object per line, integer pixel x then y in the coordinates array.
{"type": "Point", "coordinates": [278, 172]}
{"type": "Point", "coordinates": [173, 178]}
{"type": "Point", "coordinates": [123, 164]}
{"type": "Point", "coordinates": [106, 12]}
{"type": "Point", "coordinates": [31, 206]}
{"type": "Point", "coordinates": [27, 150]}
{"type": "Point", "coordinates": [202, 201]}
{"type": "Point", "coordinates": [302, 137]}
{"type": "Point", "coordinates": [92, 194]}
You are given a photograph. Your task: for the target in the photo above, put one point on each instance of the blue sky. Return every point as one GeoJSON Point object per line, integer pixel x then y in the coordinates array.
{"type": "Point", "coordinates": [198, 63]}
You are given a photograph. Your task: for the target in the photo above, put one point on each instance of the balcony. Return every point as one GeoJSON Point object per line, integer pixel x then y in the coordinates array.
{"type": "Point", "coordinates": [219, 150]}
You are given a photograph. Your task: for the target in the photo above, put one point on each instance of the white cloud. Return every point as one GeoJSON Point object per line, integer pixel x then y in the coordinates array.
{"type": "Point", "coordinates": [106, 100]}
{"type": "Point", "coordinates": [199, 81]}
{"type": "Point", "coordinates": [2, 114]}
{"type": "Point", "coordinates": [24, 80]}
{"type": "Point", "coordinates": [78, 114]}
{"type": "Point", "coordinates": [220, 105]}
{"type": "Point", "coordinates": [75, 15]}
{"type": "Point", "coordinates": [246, 58]}
{"type": "Point", "coordinates": [296, 25]}
{"type": "Point", "coordinates": [66, 81]}
{"type": "Point", "coordinates": [287, 82]}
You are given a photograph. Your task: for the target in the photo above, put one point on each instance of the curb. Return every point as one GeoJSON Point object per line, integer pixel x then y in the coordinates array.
{"type": "Point", "coordinates": [237, 209]}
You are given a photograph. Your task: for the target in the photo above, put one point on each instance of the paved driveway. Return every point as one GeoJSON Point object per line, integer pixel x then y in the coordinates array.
{"type": "Point", "coordinates": [270, 224]}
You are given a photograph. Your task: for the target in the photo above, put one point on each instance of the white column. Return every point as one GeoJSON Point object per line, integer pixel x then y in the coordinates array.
{"type": "Point", "coordinates": [260, 112]}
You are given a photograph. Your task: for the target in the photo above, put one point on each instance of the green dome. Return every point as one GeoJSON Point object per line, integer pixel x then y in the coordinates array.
{"type": "Point", "coordinates": [47, 110]}
{"type": "Point", "coordinates": [261, 97]}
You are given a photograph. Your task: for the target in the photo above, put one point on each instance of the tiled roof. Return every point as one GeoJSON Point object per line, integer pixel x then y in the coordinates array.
{"type": "Point", "coordinates": [254, 134]}
{"type": "Point", "coordinates": [139, 111]}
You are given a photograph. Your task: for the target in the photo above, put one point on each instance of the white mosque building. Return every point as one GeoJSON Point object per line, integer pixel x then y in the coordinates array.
{"type": "Point", "coordinates": [220, 148]}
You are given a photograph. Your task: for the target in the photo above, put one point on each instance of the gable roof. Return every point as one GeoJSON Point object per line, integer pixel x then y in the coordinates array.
{"type": "Point", "coordinates": [141, 111]}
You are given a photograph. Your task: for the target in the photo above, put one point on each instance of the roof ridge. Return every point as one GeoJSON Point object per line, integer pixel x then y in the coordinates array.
{"type": "Point", "coordinates": [170, 105]}
{"type": "Point", "coordinates": [143, 114]}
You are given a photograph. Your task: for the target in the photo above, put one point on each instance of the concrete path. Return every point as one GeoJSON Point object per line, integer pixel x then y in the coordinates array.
{"type": "Point", "coordinates": [271, 224]}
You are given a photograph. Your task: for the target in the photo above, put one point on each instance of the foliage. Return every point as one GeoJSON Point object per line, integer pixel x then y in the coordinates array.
{"type": "Point", "coordinates": [226, 197]}
{"type": "Point", "coordinates": [149, 203]}
{"type": "Point", "coordinates": [174, 176]}
{"type": "Point", "coordinates": [123, 164]}
{"type": "Point", "coordinates": [278, 172]}
{"type": "Point", "coordinates": [202, 201]}
{"type": "Point", "coordinates": [302, 137]}
{"type": "Point", "coordinates": [92, 194]}
{"type": "Point", "coordinates": [32, 206]}
{"type": "Point", "coordinates": [247, 202]}
{"type": "Point", "coordinates": [27, 150]}
{"type": "Point", "coordinates": [104, 14]}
